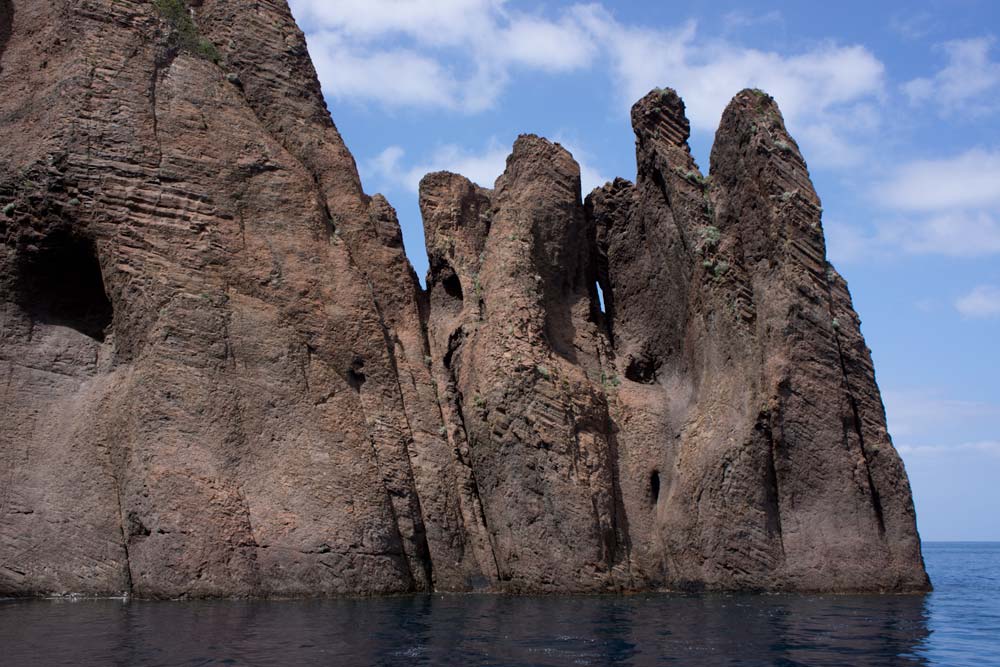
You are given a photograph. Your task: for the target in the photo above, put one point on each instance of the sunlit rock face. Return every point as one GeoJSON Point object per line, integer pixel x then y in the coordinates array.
{"type": "Point", "coordinates": [221, 376]}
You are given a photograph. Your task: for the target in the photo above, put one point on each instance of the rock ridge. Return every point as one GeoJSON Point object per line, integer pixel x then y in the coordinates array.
{"type": "Point", "coordinates": [221, 376]}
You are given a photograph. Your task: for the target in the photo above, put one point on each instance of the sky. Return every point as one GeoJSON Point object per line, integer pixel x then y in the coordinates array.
{"type": "Point", "coordinates": [895, 105]}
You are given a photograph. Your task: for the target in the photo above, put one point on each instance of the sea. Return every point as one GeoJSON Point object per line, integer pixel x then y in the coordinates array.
{"type": "Point", "coordinates": [957, 624]}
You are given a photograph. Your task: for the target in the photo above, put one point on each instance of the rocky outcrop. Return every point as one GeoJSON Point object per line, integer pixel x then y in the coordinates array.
{"type": "Point", "coordinates": [208, 376]}
{"type": "Point", "coordinates": [518, 350]}
{"type": "Point", "coordinates": [748, 388]}
{"type": "Point", "coordinates": [222, 377]}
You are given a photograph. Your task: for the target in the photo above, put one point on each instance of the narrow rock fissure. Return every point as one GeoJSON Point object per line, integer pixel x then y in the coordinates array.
{"type": "Point", "coordinates": [856, 422]}
{"type": "Point", "coordinates": [602, 283]}
{"type": "Point", "coordinates": [331, 225]}
{"type": "Point", "coordinates": [619, 515]}
{"type": "Point", "coordinates": [773, 485]}
{"type": "Point", "coordinates": [420, 530]}
{"type": "Point", "coordinates": [876, 498]}
{"type": "Point", "coordinates": [388, 494]}
{"type": "Point", "coordinates": [665, 191]}
{"type": "Point", "coordinates": [458, 402]}
{"type": "Point", "coordinates": [252, 544]}
{"type": "Point", "coordinates": [124, 536]}
{"type": "Point", "coordinates": [158, 65]}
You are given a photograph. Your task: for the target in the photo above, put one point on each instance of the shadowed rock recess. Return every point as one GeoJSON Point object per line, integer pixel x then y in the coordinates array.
{"type": "Point", "coordinates": [221, 377]}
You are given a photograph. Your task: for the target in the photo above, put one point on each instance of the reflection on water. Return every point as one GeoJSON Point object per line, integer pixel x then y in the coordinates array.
{"type": "Point", "coordinates": [958, 624]}
{"type": "Point", "coordinates": [462, 630]}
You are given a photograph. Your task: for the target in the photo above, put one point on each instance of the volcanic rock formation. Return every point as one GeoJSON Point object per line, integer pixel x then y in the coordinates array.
{"type": "Point", "coordinates": [221, 377]}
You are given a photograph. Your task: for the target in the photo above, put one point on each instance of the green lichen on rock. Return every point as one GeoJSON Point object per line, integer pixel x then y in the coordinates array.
{"type": "Point", "coordinates": [692, 177]}
{"type": "Point", "coordinates": [710, 237]}
{"type": "Point", "coordinates": [783, 146]}
{"type": "Point", "coordinates": [184, 33]}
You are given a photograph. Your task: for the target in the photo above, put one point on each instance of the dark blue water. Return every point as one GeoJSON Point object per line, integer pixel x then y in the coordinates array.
{"type": "Point", "coordinates": [959, 624]}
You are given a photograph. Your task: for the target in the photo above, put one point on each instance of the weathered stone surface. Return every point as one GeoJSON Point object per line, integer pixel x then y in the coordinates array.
{"type": "Point", "coordinates": [748, 388]}
{"type": "Point", "coordinates": [520, 350]}
{"type": "Point", "coordinates": [220, 375]}
{"type": "Point", "coordinates": [239, 427]}
{"type": "Point", "coordinates": [719, 426]}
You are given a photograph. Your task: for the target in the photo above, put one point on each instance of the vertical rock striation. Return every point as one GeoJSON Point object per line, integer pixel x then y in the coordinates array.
{"type": "Point", "coordinates": [719, 426]}
{"type": "Point", "coordinates": [221, 377]}
{"type": "Point", "coordinates": [520, 356]}
{"type": "Point", "coordinates": [747, 381]}
{"type": "Point", "coordinates": [247, 417]}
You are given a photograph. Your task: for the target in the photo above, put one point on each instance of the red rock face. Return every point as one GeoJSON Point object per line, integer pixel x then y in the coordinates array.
{"type": "Point", "coordinates": [221, 376]}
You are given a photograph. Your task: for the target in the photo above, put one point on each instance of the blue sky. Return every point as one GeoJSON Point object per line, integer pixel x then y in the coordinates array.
{"type": "Point", "coordinates": [896, 106]}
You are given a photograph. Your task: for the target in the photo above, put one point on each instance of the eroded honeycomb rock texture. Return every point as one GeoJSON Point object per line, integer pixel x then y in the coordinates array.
{"type": "Point", "coordinates": [220, 375]}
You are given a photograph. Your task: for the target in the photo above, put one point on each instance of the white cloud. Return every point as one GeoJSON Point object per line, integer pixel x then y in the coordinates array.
{"type": "Point", "coordinates": [398, 77]}
{"type": "Point", "coordinates": [983, 301]}
{"type": "Point", "coordinates": [391, 171]}
{"type": "Point", "coordinates": [434, 22]}
{"type": "Point", "coordinates": [386, 164]}
{"type": "Point", "coordinates": [958, 234]}
{"type": "Point", "coordinates": [968, 180]}
{"type": "Point", "coordinates": [991, 447]}
{"type": "Point", "coordinates": [545, 45]}
{"type": "Point", "coordinates": [459, 55]}
{"type": "Point", "coordinates": [449, 54]}
{"type": "Point", "coordinates": [967, 83]}
{"type": "Point", "coordinates": [826, 93]}
{"type": "Point", "coordinates": [825, 143]}
{"type": "Point", "coordinates": [948, 206]}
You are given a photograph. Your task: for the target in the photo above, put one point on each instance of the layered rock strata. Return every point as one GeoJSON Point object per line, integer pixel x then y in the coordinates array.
{"type": "Point", "coordinates": [221, 376]}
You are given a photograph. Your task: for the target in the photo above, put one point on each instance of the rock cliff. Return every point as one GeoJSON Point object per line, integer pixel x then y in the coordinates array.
{"type": "Point", "coordinates": [221, 377]}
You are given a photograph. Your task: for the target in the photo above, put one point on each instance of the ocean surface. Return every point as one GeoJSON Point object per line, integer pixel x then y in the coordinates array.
{"type": "Point", "coordinates": [958, 624]}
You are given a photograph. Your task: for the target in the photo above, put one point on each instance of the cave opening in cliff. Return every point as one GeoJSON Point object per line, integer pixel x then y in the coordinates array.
{"type": "Point", "coordinates": [642, 371]}
{"type": "Point", "coordinates": [453, 287]}
{"type": "Point", "coordinates": [356, 374]}
{"type": "Point", "coordinates": [654, 486]}
{"type": "Point", "coordinates": [60, 283]}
